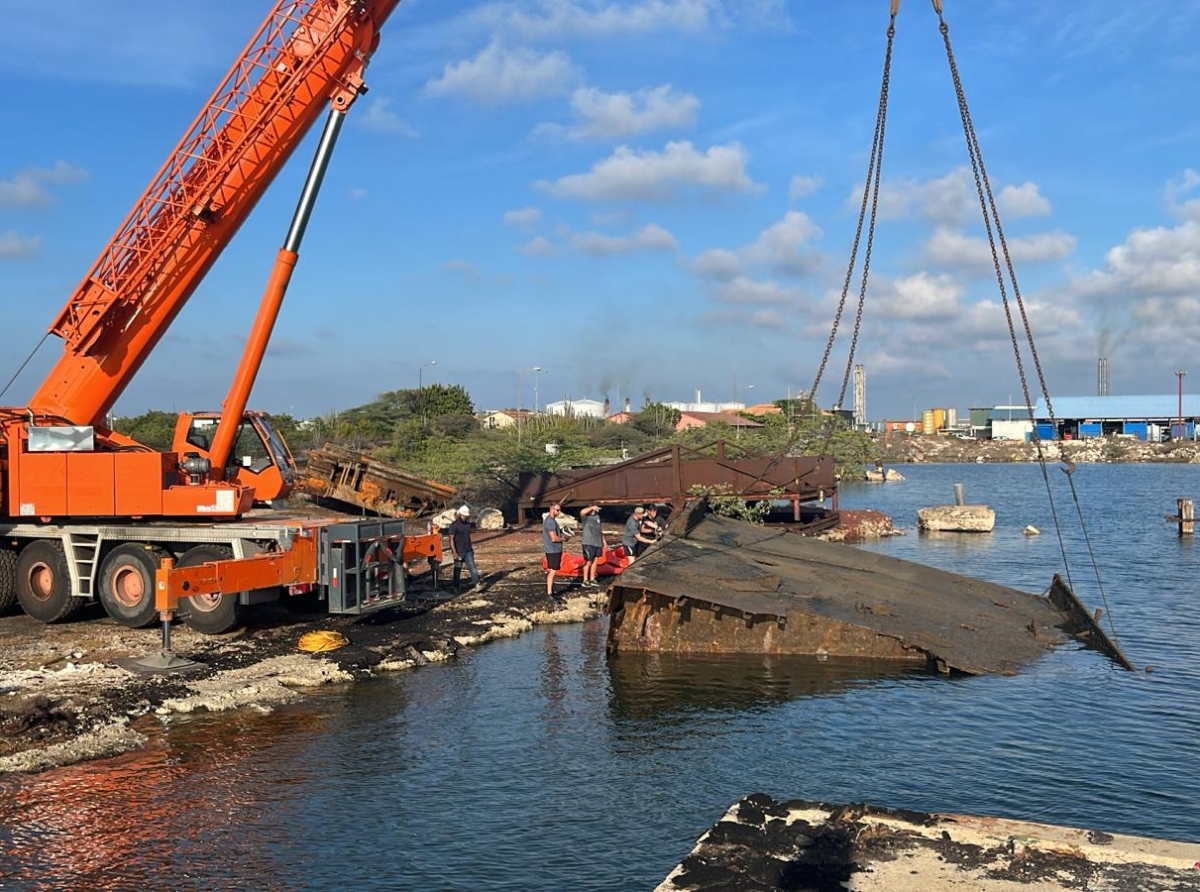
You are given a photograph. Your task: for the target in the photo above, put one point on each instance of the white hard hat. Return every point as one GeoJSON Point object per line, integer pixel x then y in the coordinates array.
{"type": "Point", "coordinates": [464, 511]}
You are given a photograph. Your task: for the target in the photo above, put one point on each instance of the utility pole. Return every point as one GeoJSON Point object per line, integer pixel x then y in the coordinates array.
{"type": "Point", "coordinates": [1179, 374]}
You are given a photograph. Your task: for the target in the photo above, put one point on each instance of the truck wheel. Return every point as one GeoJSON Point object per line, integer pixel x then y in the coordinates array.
{"type": "Point", "coordinates": [127, 583]}
{"type": "Point", "coordinates": [8, 579]}
{"type": "Point", "coordinates": [44, 583]}
{"type": "Point", "coordinates": [208, 614]}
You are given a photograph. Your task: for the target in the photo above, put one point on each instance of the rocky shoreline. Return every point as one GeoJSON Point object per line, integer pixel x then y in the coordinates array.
{"type": "Point", "coordinates": [905, 449]}
{"type": "Point", "coordinates": [65, 699]}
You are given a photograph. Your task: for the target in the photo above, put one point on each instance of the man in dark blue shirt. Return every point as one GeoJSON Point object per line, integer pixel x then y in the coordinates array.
{"type": "Point", "coordinates": [461, 547]}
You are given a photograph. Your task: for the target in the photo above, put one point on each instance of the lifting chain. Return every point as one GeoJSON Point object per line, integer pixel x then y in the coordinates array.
{"type": "Point", "coordinates": [991, 216]}
{"type": "Point", "coordinates": [870, 197]}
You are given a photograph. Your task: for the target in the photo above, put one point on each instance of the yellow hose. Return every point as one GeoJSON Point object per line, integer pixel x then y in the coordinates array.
{"type": "Point", "coordinates": [317, 642]}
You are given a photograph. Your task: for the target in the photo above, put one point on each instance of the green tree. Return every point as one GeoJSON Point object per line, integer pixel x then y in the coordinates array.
{"type": "Point", "coordinates": [155, 428]}
{"type": "Point", "coordinates": [656, 420]}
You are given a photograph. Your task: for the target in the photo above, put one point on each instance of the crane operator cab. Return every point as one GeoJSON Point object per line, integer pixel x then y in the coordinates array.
{"type": "Point", "coordinates": [259, 458]}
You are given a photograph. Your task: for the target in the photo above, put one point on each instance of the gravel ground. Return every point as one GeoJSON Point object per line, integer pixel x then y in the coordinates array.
{"type": "Point", "coordinates": [64, 698]}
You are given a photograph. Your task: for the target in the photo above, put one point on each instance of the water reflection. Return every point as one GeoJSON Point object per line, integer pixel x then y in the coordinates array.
{"type": "Point", "coordinates": [660, 685]}
{"type": "Point", "coordinates": [133, 820]}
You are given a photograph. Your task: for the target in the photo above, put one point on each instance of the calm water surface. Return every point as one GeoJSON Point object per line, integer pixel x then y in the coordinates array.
{"type": "Point", "coordinates": [539, 764]}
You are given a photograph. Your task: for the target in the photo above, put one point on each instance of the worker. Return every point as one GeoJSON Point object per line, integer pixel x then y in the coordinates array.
{"type": "Point", "coordinates": [552, 545]}
{"type": "Point", "coordinates": [653, 524]}
{"type": "Point", "coordinates": [593, 543]}
{"type": "Point", "coordinates": [461, 547]}
{"type": "Point", "coordinates": [632, 538]}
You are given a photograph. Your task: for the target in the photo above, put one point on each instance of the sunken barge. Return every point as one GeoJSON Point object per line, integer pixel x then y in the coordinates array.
{"type": "Point", "coordinates": [717, 585]}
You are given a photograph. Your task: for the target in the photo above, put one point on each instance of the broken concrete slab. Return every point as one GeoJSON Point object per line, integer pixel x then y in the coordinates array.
{"type": "Point", "coordinates": [717, 585]}
{"type": "Point", "coordinates": [764, 844]}
{"type": "Point", "coordinates": [957, 519]}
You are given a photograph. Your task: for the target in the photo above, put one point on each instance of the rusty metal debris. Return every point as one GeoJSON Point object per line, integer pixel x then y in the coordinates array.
{"type": "Point", "coordinates": [669, 475]}
{"type": "Point", "coordinates": [765, 844]}
{"type": "Point", "coordinates": [716, 585]}
{"type": "Point", "coordinates": [344, 475]}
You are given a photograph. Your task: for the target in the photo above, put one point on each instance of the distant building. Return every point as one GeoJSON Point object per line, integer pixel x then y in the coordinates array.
{"type": "Point", "coordinates": [1151, 417]}
{"type": "Point", "coordinates": [764, 409]}
{"type": "Point", "coordinates": [703, 419]}
{"type": "Point", "coordinates": [699, 405]}
{"type": "Point", "coordinates": [1010, 423]}
{"type": "Point", "coordinates": [578, 408]}
{"type": "Point", "coordinates": [504, 418]}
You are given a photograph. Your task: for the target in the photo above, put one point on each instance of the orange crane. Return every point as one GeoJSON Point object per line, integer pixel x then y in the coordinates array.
{"type": "Point", "coordinates": [86, 511]}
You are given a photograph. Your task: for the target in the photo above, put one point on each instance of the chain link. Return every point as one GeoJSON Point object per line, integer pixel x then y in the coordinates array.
{"type": "Point", "coordinates": [870, 198]}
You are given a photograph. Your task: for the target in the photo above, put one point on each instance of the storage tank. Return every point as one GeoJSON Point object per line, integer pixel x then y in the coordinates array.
{"type": "Point", "coordinates": [952, 417]}
{"type": "Point", "coordinates": [928, 426]}
{"type": "Point", "coordinates": [939, 419]}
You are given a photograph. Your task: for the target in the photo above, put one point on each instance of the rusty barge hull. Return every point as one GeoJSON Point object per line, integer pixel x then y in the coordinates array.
{"type": "Point", "coordinates": [716, 585]}
{"type": "Point", "coordinates": [353, 478]}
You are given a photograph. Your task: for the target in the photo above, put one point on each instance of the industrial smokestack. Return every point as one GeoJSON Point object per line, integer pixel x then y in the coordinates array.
{"type": "Point", "coordinates": [627, 409]}
{"type": "Point", "coordinates": [1102, 377]}
{"type": "Point", "coordinates": [607, 407]}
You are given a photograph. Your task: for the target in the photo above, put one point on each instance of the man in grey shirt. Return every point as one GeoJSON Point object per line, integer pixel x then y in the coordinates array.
{"type": "Point", "coordinates": [632, 536]}
{"type": "Point", "coordinates": [593, 543]}
{"type": "Point", "coordinates": [552, 545]}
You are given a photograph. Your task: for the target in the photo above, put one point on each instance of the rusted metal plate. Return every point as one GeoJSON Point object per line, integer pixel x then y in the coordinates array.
{"type": "Point", "coordinates": [670, 473]}
{"type": "Point", "coordinates": [333, 472]}
{"type": "Point", "coordinates": [716, 585]}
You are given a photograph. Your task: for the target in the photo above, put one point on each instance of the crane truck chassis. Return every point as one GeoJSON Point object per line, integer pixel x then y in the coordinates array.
{"type": "Point", "coordinates": [205, 573]}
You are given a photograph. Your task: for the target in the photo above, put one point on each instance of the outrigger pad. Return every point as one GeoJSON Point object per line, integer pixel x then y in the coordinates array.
{"type": "Point", "coordinates": [162, 663]}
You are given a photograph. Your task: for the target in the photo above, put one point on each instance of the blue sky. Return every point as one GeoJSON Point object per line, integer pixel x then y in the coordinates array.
{"type": "Point", "coordinates": [644, 197]}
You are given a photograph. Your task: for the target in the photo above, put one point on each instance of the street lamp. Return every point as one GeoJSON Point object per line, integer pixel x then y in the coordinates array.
{"type": "Point", "coordinates": [537, 376]}
{"type": "Point", "coordinates": [1180, 375]}
{"type": "Point", "coordinates": [421, 387]}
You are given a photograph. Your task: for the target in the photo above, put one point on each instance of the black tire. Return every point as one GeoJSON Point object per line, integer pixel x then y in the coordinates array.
{"type": "Point", "coordinates": [126, 585]}
{"type": "Point", "coordinates": [8, 580]}
{"type": "Point", "coordinates": [44, 582]}
{"type": "Point", "coordinates": [209, 614]}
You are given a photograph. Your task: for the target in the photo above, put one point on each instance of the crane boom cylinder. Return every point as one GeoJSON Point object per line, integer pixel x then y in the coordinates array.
{"type": "Point", "coordinates": [272, 300]}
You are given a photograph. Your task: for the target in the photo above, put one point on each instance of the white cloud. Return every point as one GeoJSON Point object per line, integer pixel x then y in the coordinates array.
{"type": "Point", "coordinates": [1176, 193]}
{"type": "Point", "coordinates": [461, 266]}
{"type": "Point", "coordinates": [564, 18]}
{"type": "Point", "coordinates": [651, 237]}
{"type": "Point", "coordinates": [1022, 201]}
{"type": "Point", "coordinates": [522, 218]}
{"type": "Point", "coordinates": [601, 115]}
{"type": "Point", "coordinates": [946, 199]}
{"type": "Point", "coordinates": [358, 193]}
{"type": "Point", "coordinates": [502, 75]}
{"type": "Point", "coordinates": [953, 248]}
{"type": "Point", "coordinates": [778, 246]}
{"type": "Point", "coordinates": [1155, 262]}
{"type": "Point", "coordinates": [27, 189]}
{"type": "Point", "coordinates": [718, 264]}
{"type": "Point", "coordinates": [628, 174]}
{"type": "Point", "coordinates": [804, 186]}
{"type": "Point", "coordinates": [538, 246]}
{"type": "Point", "coordinates": [745, 290]}
{"type": "Point", "coordinates": [14, 247]}
{"type": "Point", "coordinates": [921, 296]}
{"type": "Point", "coordinates": [544, 20]}
{"type": "Point", "coordinates": [379, 118]}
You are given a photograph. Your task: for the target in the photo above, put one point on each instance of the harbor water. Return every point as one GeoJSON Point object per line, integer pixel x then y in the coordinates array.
{"type": "Point", "coordinates": [540, 763]}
